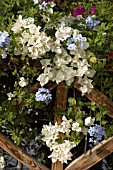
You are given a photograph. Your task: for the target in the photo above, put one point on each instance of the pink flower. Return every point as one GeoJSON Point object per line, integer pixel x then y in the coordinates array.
{"type": "Point", "coordinates": [93, 10]}
{"type": "Point", "coordinates": [78, 11]}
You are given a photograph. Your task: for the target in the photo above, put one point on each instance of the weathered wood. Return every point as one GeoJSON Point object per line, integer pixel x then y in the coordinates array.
{"type": "Point", "coordinates": [96, 96]}
{"type": "Point", "coordinates": [20, 154]}
{"type": "Point", "coordinates": [61, 104]}
{"type": "Point", "coordinates": [61, 97]}
{"type": "Point", "coordinates": [89, 159]}
{"type": "Point", "coordinates": [57, 166]}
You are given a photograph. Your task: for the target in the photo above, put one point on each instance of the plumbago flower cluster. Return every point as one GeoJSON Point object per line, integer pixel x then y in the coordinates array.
{"type": "Point", "coordinates": [96, 134]}
{"type": "Point", "coordinates": [63, 55]}
{"type": "Point", "coordinates": [4, 43]}
{"type": "Point", "coordinates": [56, 137]}
{"type": "Point", "coordinates": [43, 94]}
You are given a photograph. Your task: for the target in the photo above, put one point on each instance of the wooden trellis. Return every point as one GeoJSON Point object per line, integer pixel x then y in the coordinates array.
{"type": "Point", "coordinates": [86, 160]}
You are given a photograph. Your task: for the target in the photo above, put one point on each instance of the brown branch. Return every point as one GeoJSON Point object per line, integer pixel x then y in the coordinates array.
{"type": "Point", "coordinates": [20, 154]}
{"type": "Point", "coordinates": [96, 96]}
{"type": "Point", "coordinates": [89, 159]}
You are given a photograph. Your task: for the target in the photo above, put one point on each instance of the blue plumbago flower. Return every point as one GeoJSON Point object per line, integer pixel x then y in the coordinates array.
{"type": "Point", "coordinates": [4, 42]}
{"type": "Point", "coordinates": [96, 132]}
{"type": "Point", "coordinates": [72, 47]}
{"type": "Point", "coordinates": [76, 42]}
{"type": "Point", "coordinates": [92, 21]}
{"type": "Point", "coordinates": [4, 56]}
{"type": "Point", "coordinates": [105, 165]}
{"type": "Point", "coordinates": [69, 41]}
{"type": "Point", "coordinates": [43, 94]}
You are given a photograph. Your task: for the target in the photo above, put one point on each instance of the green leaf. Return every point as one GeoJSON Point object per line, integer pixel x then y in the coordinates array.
{"type": "Point", "coordinates": [72, 101]}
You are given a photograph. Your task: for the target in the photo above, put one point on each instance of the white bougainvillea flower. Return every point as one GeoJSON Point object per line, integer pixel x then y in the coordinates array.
{"type": "Point", "coordinates": [50, 133]}
{"type": "Point", "coordinates": [86, 84]}
{"type": "Point", "coordinates": [21, 24]}
{"type": "Point", "coordinates": [59, 76]}
{"type": "Point", "coordinates": [17, 27]}
{"type": "Point", "coordinates": [81, 70]}
{"type": "Point", "coordinates": [67, 19]}
{"type": "Point", "coordinates": [65, 125]}
{"type": "Point", "coordinates": [31, 41]}
{"type": "Point", "coordinates": [90, 73]}
{"type": "Point", "coordinates": [76, 127]}
{"type": "Point", "coordinates": [61, 152]}
{"type": "Point", "coordinates": [89, 121]}
{"type": "Point", "coordinates": [52, 4]}
{"type": "Point", "coordinates": [10, 95]}
{"type": "Point", "coordinates": [56, 47]}
{"type": "Point", "coordinates": [62, 59]}
{"type": "Point", "coordinates": [45, 62]}
{"type": "Point", "coordinates": [62, 64]}
{"type": "Point", "coordinates": [23, 82]}
{"type": "Point", "coordinates": [84, 89]}
{"type": "Point", "coordinates": [46, 76]}
{"type": "Point", "coordinates": [61, 149]}
{"type": "Point", "coordinates": [2, 162]}
{"type": "Point", "coordinates": [63, 32]}
{"type": "Point", "coordinates": [43, 79]}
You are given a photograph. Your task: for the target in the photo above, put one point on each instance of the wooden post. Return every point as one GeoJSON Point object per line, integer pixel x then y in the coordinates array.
{"type": "Point", "coordinates": [61, 104]}
{"type": "Point", "coordinates": [20, 154]}
{"type": "Point", "coordinates": [90, 158]}
{"type": "Point", "coordinates": [57, 166]}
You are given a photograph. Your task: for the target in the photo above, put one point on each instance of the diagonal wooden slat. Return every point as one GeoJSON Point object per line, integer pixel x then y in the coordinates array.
{"type": "Point", "coordinates": [20, 154]}
{"type": "Point", "coordinates": [96, 96]}
{"type": "Point", "coordinates": [89, 159]}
